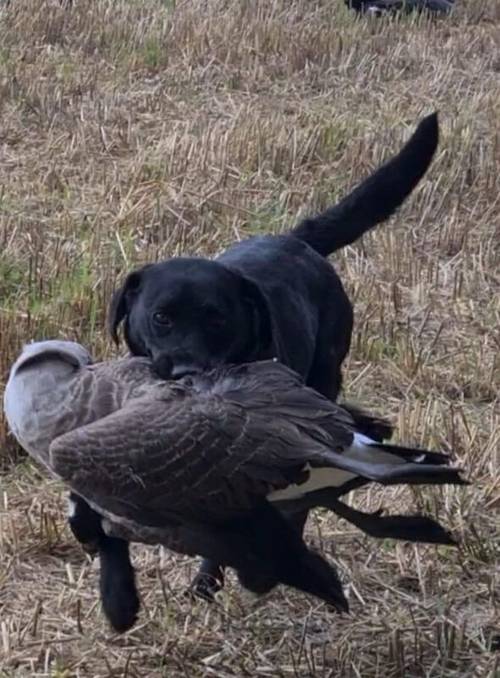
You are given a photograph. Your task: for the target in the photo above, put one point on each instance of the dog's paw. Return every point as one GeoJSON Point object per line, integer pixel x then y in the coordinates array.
{"type": "Point", "coordinates": [120, 603]}
{"type": "Point", "coordinates": [204, 586]}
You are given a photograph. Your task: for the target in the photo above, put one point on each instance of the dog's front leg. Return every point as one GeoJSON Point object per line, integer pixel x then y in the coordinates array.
{"type": "Point", "coordinates": [118, 591]}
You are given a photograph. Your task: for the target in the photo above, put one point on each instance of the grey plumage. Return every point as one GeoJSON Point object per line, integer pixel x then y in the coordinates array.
{"type": "Point", "coordinates": [183, 462]}
{"type": "Point", "coordinates": [208, 447]}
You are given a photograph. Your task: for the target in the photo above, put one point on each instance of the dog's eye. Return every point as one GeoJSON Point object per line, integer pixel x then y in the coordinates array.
{"type": "Point", "coordinates": [162, 318]}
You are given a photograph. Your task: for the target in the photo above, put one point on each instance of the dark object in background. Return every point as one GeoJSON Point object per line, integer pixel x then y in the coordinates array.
{"type": "Point", "coordinates": [380, 7]}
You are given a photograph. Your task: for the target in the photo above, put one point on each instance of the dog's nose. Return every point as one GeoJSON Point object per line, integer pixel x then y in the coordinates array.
{"type": "Point", "coordinates": [163, 366]}
{"type": "Point", "coordinates": [173, 367]}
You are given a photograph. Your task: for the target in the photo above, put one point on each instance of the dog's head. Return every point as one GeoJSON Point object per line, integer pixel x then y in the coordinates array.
{"type": "Point", "coordinates": [191, 314]}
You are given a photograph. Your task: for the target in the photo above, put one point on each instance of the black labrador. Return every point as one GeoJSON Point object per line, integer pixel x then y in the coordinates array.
{"type": "Point", "coordinates": [268, 296]}
{"type": "Point", "coordinates": [264, 297]}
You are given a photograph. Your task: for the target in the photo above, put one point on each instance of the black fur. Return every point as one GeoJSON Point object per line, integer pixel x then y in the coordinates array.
{"type": "Point", "coordinates": [118, 591]}
{"type": "Point", "coordinates": [270, 296]}
{"type": "Point", "coordinates": [119, 597]}
{"type": "Point", "coordinates": [376, 199]}
{"type": "Point", "coordinates": [287, 559]}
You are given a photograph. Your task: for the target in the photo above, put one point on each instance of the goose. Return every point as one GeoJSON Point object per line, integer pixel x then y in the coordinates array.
{"type": "Point", "coordinates": [380, 7]}
{"type": "Point", "coordinates": [207, 465]}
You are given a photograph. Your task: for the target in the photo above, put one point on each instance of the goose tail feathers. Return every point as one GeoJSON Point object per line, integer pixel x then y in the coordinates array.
{"type": "Point", "coordinates": [368, 461]}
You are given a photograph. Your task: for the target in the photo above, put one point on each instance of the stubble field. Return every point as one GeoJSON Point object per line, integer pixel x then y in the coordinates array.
{"type": "Point", "coordinates": [136, 130]}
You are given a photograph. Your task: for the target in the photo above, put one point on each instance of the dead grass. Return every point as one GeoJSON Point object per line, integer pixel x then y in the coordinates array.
{"type": "Point", "coordinates": [136, 130]}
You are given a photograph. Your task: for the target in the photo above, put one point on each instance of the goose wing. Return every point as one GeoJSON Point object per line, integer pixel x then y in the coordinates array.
{"type": "Point", "coordinates": [221, 448]}
{"type": "Point", "coordinates": [195, 458]}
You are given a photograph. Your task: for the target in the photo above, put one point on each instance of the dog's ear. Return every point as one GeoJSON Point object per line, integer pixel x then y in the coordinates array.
{"type": "Point", "coordinates": [122, 301]}
{"type": "Point", "coordinates": [254, 297]}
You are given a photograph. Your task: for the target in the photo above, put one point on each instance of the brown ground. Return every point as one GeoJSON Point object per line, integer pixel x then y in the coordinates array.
{"type": "Point", "coordinates": [135, 130]}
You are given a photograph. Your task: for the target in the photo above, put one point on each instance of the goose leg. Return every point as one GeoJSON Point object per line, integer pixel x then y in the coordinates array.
{"type": "Point", "coordinates": [118, 591]}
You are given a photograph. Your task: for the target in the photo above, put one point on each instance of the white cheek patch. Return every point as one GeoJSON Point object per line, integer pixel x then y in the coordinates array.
{"type": "Point", "coordinates": [70, 508]}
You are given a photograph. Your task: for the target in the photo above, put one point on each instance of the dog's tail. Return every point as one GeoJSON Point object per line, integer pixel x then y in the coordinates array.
{"type": "Point", "coordinates": [376, 198]}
